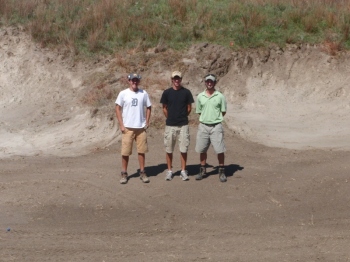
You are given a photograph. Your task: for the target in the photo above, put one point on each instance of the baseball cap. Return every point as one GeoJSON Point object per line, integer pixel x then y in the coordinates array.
{"type": "Point", "coordinates": [134, 75]}
{"type": "Point", "coordinates": [210, 77]}
{"type": "Point", "coordinates": [176, 73]}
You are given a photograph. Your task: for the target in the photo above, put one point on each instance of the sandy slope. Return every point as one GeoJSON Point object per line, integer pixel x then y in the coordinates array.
{"type": "Point", "coordinates": [39, 107]}
{"type": "Point", "coordinates": [295, 98]}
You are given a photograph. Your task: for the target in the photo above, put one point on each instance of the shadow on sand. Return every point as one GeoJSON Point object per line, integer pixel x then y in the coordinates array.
{"type": "Point", "coordinates": [230, 170]}
{"type": "Point", "coordinates": [153, 171]}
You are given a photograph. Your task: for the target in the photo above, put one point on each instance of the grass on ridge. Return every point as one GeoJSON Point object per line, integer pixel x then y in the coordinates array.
{"type": "Point", "coordinates": [104, 26]}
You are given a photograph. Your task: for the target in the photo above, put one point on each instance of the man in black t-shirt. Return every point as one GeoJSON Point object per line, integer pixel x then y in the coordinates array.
{"type": "Point", "coordinates": [177, 105]}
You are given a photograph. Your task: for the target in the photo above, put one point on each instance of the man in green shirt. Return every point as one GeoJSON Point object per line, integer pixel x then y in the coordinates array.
{"type": "Point", "coordinates": [211, 106]}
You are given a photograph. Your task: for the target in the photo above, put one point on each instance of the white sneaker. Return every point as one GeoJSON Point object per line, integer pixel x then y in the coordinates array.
{"type": "Point", "coordinates": [184, 175]}
{"type": "Point", "coordinates": [169, 175]}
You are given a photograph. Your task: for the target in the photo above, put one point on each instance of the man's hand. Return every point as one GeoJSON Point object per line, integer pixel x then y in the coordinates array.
{"type": "Point", "coordinates": [122, 129]}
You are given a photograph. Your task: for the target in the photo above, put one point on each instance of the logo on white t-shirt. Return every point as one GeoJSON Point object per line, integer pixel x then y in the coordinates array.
{"type": "Point", "coordinates": [134, 102]}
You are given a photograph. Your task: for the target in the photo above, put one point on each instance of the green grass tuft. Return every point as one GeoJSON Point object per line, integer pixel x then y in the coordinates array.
{"type": "Point", "coordinates": [105, 26]}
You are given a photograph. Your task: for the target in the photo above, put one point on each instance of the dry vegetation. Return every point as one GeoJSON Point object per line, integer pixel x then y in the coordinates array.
{"type": "Point", "coordinates": [104, 26]}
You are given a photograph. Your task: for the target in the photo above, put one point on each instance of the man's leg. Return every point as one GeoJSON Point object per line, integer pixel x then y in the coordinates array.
{"type": "Point", "coordinates": [142, 161]}
{"type": "Point", "coordinates": [217, 139]}
{"type": "Point", "coordinates": [169, 143]}
{"type": "Point", "coordinates": [221, 159]}
{"type": "Point", "coordinates": [142, 148]}
{"type": "Point", "coordinates": [203, 158]}
{"type": "Point", "coordinates": [124, 173]}
{"type": "Point", "coordinates": [222, 175]}
{"type": "Point", "coordinates": [202, 169]}
{"type": "Point", "coordinates": [169, 160]}
{"type": "Point", "coordinates": [183, 161]}
{"type": "Point", "coordinates": [184, 142]}
{"type": "Point", "coordinates": [184, 173]}
{"type": "Point", "coordinates": [202, 145]}
{"type": "Point", "coordinates": [126, 150]}
{"type": "Point", "coordinates": [143, 175]}
{"type": "Point", "coordinates": [125, 162]}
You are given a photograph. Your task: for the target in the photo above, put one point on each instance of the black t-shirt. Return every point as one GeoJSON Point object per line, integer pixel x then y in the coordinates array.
{"type": "Point", "coordinates": [177, 101]}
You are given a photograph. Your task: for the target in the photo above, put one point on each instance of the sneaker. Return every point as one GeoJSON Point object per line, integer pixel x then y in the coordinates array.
{"type": "Point", "coordinates": [144, 177]}
{"type": "Point", "coordinates": [222, 175]}
{"type": "Point", "coordinates": [202, 172]}
{"type": "Point", "coordinates": [168, 175]}
{"type": "Point", "coordinates": [184, 175]}
{"type": "Point", "coordinates": [124, 178]}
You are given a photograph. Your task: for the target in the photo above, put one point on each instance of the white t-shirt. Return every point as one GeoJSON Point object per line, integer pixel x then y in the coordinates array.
{"type": "Point", "coordinates": [133, 107]}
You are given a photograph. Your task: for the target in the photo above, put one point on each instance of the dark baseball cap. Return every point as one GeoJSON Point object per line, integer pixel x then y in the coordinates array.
{"type": "Point", "coordinates": [133, 76]}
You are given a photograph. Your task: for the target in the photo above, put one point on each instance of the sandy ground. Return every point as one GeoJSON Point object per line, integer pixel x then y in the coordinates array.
{"type": "Point", "coordinates": [277, 205]}
{"type": "Point", "coordinates": [288, 141]}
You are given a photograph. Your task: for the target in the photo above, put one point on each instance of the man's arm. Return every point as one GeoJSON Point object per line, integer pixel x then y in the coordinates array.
{"type": "Point", "coordinates": [118, 111]}
{"type": "Point", "coordinates": [165, 110]}
{"type": "Point", "coordinates": [148, 115]}
{"type": "Point", "coordinates": [224, 108]}
{"type": "Point", "coordinates": [189, 109]}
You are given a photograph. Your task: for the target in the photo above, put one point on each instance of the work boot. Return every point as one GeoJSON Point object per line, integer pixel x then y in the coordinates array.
{"type": "Point", "coordinates": [201, 173]}
{"type": "Point", "coordinates": [124, 178]}
{"type": "Point", "coordinates": [144, 177]}
{"type": "Point", "coordinates": [222, 175]}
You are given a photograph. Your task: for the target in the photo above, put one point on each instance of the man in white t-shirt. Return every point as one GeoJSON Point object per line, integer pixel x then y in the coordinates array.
{"type": "Point", "coordinates": [133, 109]}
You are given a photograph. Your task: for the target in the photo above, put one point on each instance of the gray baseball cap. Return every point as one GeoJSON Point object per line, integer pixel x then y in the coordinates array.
{"type": "Point", "coordinates": [210, 77]}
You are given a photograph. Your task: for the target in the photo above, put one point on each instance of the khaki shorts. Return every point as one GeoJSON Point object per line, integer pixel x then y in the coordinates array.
{"type": "Point", "coordinates": [210, 135]}
{"type": "Point", "coordinates": [182, 133]}
{"type": "Point", "coordinates": [128, 137]}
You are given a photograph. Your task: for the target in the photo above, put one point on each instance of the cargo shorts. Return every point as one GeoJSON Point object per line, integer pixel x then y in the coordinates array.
{"type": "Point", "coordinates": [128, 137]}
{"type": "Point", "coordinates": [207, 135]}
{"type": "Point", "coordinates": [172, 133]}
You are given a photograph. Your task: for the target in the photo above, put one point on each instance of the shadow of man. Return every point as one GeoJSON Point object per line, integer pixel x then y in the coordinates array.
{"type": "Point", "coordinates": [230, 170]}
{"type": "Point", "coordinates": [151, 170]}
{"type": "Point", "coordinates": [193, 170]}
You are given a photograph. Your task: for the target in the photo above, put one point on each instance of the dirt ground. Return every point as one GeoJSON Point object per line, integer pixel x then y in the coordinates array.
{"type": "Point", "coordinates": [287, 133]}
{"type": "Point", "coordinates": [277, 205]}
